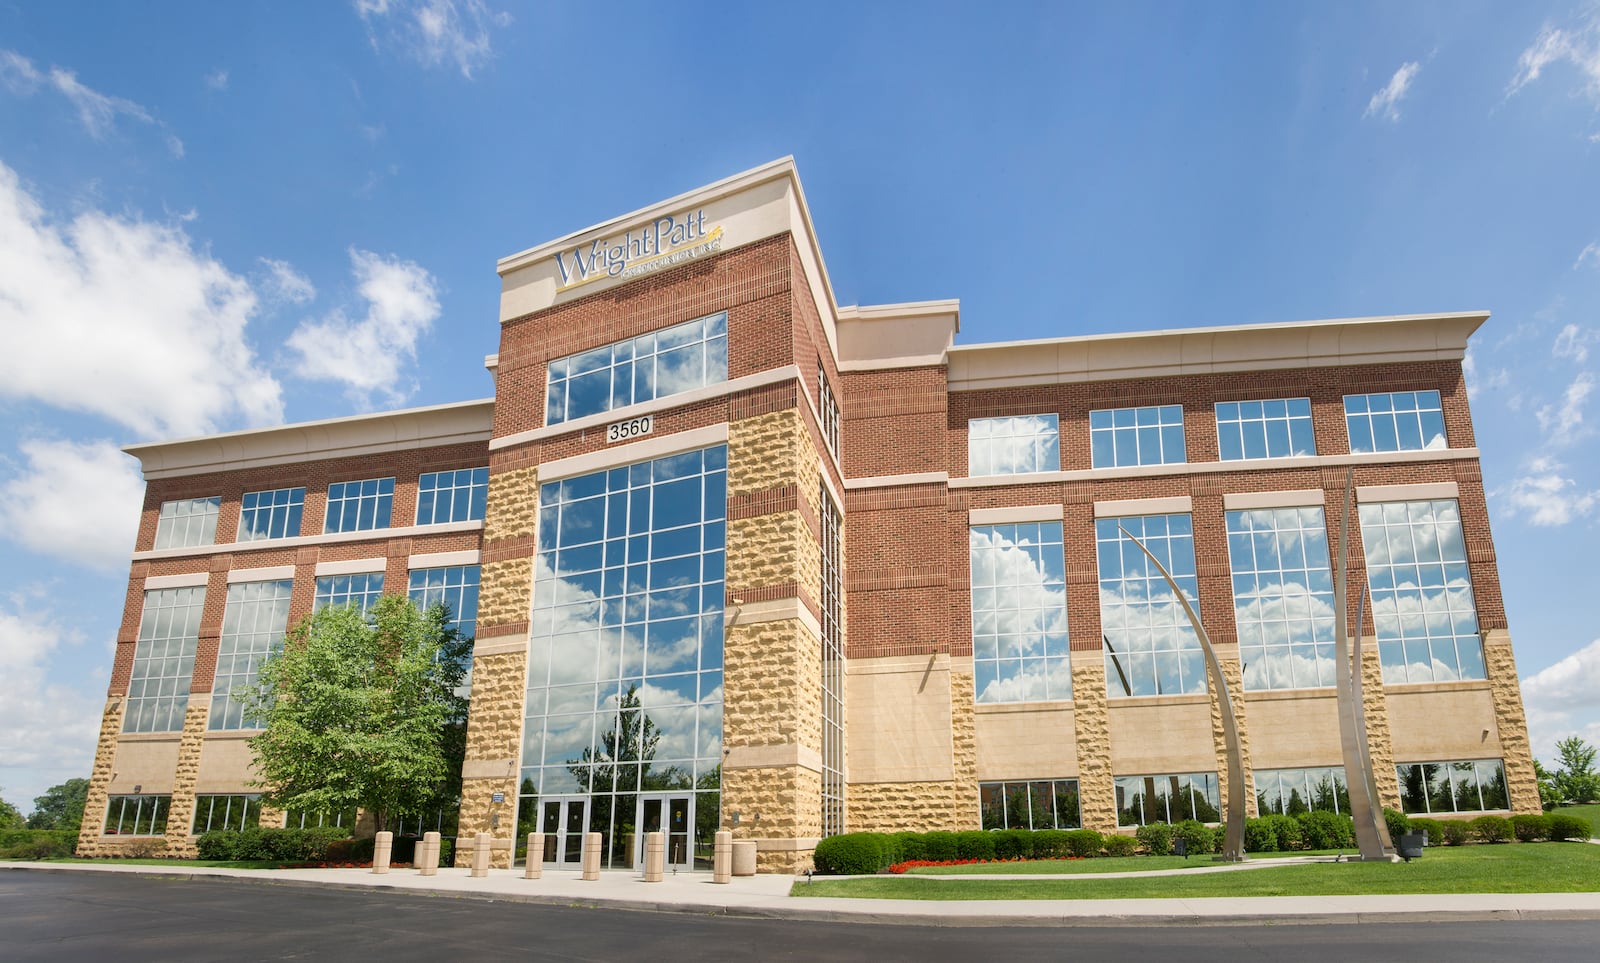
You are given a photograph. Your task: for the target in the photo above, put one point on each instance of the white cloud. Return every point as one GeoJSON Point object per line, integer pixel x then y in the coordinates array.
{"type": "Point", "coordinates": [47, 730]}
{"type": "Point", "coordinates": [1546, 496]}
{"type": "Point", "coordinates": [435, 32]}
{"type": "Point", "coordinates": [1578, 46]}
{"type": "Point", "coordinates": [284, 283]}
{"type": "Point", "coordinates": [1591, 251]}
{"type": "Point", "coordinates": [217, 80]}
{"type": "Point", "coordinates": [125, 319]}
{"type": "Point", "coordinates": [97, 112]}
{"type": "Point", "coordinates": [1562, 423]}
{"type": "Point", "coordinates": [74, 501]}
{"type": "Point", "coordinates": [1478, 380]}
{"type": "Point", "coordinates": [1554, 695]}
{"type": "Point", "coordinates": [367, 354]}
{"type": "Point", "coordinates": [1572, 343]}
{"type": "Point", "coordinates": [1385, 103]}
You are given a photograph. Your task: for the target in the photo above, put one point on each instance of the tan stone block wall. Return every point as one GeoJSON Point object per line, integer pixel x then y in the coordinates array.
{"type": "Point", "coordinates": [964, 745]}
{"type": "Point", "coordinates": [477, 811]}
{"type": "Point", "coordinates": [1097, 792]}
{"type": "Point", "coordinates": [180, 815]}
{"type": "Point", "coordinates": [893, 807]}
{"type": "Point", "coordinates": [507, 591]}
{"type": "Point", "coordinates": [772, 680]}
{"type": "Point", "coordinates": [494, 735]}
{"type": "Point", "coordinates": [765, 452]}
{"type": "Point", "coordinates": [1380, 742]}
{"type": "Point", "coordinates": [90, 840]}
{"type": "Point", "coordinates": [1512, 723]}
{"type": "Point", "coordinates": [1234, 677]}
{"type": "Point", "coordinates": [902, 709]}
{"type": "Point", "coordinates": [1294, 730]}
{"type": "Point", "coordinates": [768, 550]}
{"type": "Point", "coordinates": [1026, 740]}
{"type": "Point", "coordinates": [512, 507]}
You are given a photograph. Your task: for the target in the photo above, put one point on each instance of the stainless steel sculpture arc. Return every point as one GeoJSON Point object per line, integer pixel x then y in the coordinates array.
{"type": "Point", "coordinates": [1358, 699]}
{"type": "Point", "coordinates": [1233, 836]}
{"type": "Point", "coordinates": [1370, 832]}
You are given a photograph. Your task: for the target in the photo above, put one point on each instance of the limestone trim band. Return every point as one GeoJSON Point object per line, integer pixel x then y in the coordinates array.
{"type": "Point", "coordinates": [1426, 491]}
{"type": "Point", "coordinates": [1119, 508]}
{"type": "Point", "coordinates": [186, 580]}
{"type": "Point", "coordinates": [303, 541]}
{"type": "Point", "coordinates": [1301, 498]}
{"type": "Point", "coordinates": [777, 756]}
{"type": "Point", "coordinates": [271, 573]}
{"type": "Point", "coordinates": [1218, 467]}
{"type": "Point", "coordinates": [1020, 513]}
{"type": "Point", "coordinates": [618, 455]}
{"type": "Point", "coordinates": [895, 481]}
{"type": "Point", "coordinates": [444, 559]}
{"type": "Point", "coordinates": [354, 566]}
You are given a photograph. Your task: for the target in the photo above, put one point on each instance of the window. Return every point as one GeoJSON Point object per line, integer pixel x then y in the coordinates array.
{"type": "Point", "coordinates": [1292, 791]}
{"type": "Point", "coordinates": [829, 411]}
{"type": "Point", "coordinates": [225, 812]}
{"type": "Point", "coordinates": [187, 522]}
{"type": "Point", "coordinates": [626, 638]}
{"type": "Point", "coordinates": [300, 819]}
{"type": "Point", "coordinates": [1150, 647]}
{"type": "Point", "coordinates": [359, 506]}
{"type": "Point", "coordinates": [1282, 597]}
{"type": "Point", "coordinates": [361, 591]}
{"type": "Point", "coordinates": [1422, 605]}
{"type": "Point", "coordinates": [654, 365]}
{"type": "Point", "coordinates": [1394, 421]}
{"type": "Point", "coordinates": [253, 625]}
{"type": "Point", "coordinates": [452, 496]}
{"type": "Point", "coordinates": [1264, 429]}
{"type": "Point", "coordinates": [1119, 437]}
{"type": "Point", "coordinates": [1019, 613]}
{"type": "Point", "coordinates": [1035, 804]}
{"type": "Point", "coordinates": [274, 514]}
{"type": "Point", "coordinates": [1452, 787]}
{"type": "Point", "coordinates": [456, 587]}
{"type": "Point", "coordinates": [1016, 445]}
{"type": "Point", "coordinates": [833, 782]}
{"type": "Point", "coordinates": [163, 660]}
{"type": "Point", "coordinates": [137, 815]}
{"type": "Point", "coordinates": [1167, 799]}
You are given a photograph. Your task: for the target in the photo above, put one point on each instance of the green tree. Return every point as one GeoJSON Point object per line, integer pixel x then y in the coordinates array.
{"type": "Point", "coordinates": [1577, 779]}
{"type": "Point", "coordinates": [1549, 791]}
{"type": "Point", "coordinates": [363, 711]}
{"type": "Point", "coordinates": [10, 818]}
{"type": "Point", "coordinates": [61, 807]}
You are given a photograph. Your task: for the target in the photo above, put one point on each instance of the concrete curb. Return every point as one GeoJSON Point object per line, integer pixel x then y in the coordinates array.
{"type": "Point", "coordinates": [954, 914]}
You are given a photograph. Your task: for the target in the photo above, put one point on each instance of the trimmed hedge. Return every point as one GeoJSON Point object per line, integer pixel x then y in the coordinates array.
{"type": "Point", "coordinates": [1118, 845]}
{"type": "Point", "coordinates": [1323, 830]}
{"type": "Point", "coordinates": [1530, 828]}
{"type": "Point", "coordinates": [29, 844]}
{"type": "Point", "coordinates": [1564, 826]}
{"type": "Point", "coordinates": [288, 845]}
{"type": "Point", "coordinates": [940, 846]}
{"type": "Point", "coordinates": [1057, 843]}
{"type": "Point", "coordinates": [1491, 829]}
{"type": "Point", "coordinates": [1156, 838]}
{"type": "Point", "coordinates": [1455, 832]}
{"type": "Point", "coordinates": [1398, 822]}
{"type": "Point", "coordinates": [1433, 827]}
{"type": "Point", "coordinates": [853, 854]}
{"type": "Point", "coordinates": [975, 844]}
{"type": "Point", "coordinates": [1084, 843]}
{"type": "Point", "coordinates": [1201, 839]}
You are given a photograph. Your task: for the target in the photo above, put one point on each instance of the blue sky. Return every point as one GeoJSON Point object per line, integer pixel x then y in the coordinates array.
{"type": "Point", "coordinates": [214, 216]}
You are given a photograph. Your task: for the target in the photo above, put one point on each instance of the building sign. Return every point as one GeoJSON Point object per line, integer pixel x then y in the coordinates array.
{"type": "Point", "coordinates": [632, 428]}
{"type": "Point", "coordinates": [663, 243]}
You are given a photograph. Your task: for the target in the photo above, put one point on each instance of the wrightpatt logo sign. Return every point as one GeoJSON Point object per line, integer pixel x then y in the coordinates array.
{"type": "Point", "coordinates": [661, 244]}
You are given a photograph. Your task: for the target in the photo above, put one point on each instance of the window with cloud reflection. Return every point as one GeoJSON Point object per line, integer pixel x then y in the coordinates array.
{"type": "Point", "coordinates": [1019, 613]}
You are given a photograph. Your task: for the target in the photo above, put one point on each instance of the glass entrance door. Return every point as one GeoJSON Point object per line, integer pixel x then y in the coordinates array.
{"type": "Point", "coordinates": [564, 820]}
{"type": "Point", "coordinates": [672, 814]}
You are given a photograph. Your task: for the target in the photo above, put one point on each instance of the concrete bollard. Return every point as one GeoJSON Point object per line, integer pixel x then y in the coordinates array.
{"type": "Point", "coordinates": [655, 857]}
{"type": "Point", "coordinates": [591, 855]}
{"type": "Point", "coordinates": [480, 855]}
{"type": "Point", "coordinates": [382, 850]}
{"type": "Point", "coordinates": [428, 855]}
{"type": "Point", "coordinates": [744, 857]}
{"type": "Point", "coordinates": [722, 858]}
{"type": "Point", "coordinates": [535, 862]}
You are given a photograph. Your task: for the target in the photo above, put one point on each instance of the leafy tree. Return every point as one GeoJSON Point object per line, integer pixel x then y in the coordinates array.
{"type": "Point", "coordinates": [1577, 779]}
{"type": "Point", "coordinates": [61, 807]}
{"type": "Point", "coordinates": [1549, 791]}
{"type": "Point", "coordinates": [10, 818]}
{"type": "Point", "coordinates": [363, 711]}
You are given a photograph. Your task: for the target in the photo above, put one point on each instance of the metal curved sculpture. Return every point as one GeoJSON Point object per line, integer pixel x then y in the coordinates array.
{"type": "Point", "coordinates": [1233, 836]}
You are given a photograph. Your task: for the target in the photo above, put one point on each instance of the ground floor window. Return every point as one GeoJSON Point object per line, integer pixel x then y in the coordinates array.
{"type": "Point", "coordinates": [1167, 799]}
{"type": "Point", "coordinates": [225, 812]}
{"type": "Point", "coordinates": [1292, 791]}
{"type": "Point", "coordinates": [1452, 787]}
{"type": "Point", "coordinates": [1031, 804]}
{"type": "Point", "coordinates": [137, 815]}
{"type": "Point", "coordinates": [300, 819]}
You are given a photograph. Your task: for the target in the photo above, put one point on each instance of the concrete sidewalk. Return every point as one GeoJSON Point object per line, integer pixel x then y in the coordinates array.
{"type": "Point", "coordinates": [768, 897]}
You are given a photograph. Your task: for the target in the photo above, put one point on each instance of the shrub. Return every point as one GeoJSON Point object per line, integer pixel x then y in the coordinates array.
{"type": "Point", "coordinates": [1529, 828]}
{"type": "Point", "coordinates": [352, 850]}
{"type": "Point", "coordinates": [1433, 827]}
{"type": "Point", "coordinates": [1053, 844]}
{"type": "Point", "coordinates": [975, 844]}
{"type": "Point", "coordinates": [1491, 829]}
{"type": "Point", "coordinates": [1156, 838]}
{"type": "Point", "coordinates": [940, 846]}
{"type": "Point", "coordinates": [1565, 826]}
{"type": "Point", "coordinates": [447, 851]}
{"type": "Point", "coordinates": [1008, 843]}
{"type": "Point", "coordinates": [1455, 832]}
{"type": "Point", "coordinates": [1084, 843]}
{"type": "Point", "coordinates": [1119, 845]}
{"type": "Point", "coordinates": [1399, 824]}
{"type": "Point", "coordinates": [851, 854]}
{"type": "Point", "coordinates": [1324, 830]}
{"type": "Point", "coordinates": [908, 846]}
{"type": "Point", "coordinates": [31, 844]}
{"type": "Point", "coordinates": [1260, 836]}
{"type": "Point", "coordinates": [147, 847]}
{"type": "Point", "coordinates": [1201, 838]}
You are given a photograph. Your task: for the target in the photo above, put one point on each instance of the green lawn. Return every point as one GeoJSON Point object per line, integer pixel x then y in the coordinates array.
{"type": "Point", "coordinates": [1589, 811]}
{"type": "Point", "coordinates": [1508, 868]}
{"type": "Point", "coordinates": [215, 863]}
{"type": "Point", "coordinates": [1088, 867]}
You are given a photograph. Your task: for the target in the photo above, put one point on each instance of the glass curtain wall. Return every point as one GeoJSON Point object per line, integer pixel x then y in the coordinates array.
{"type": "Point", "coordinates": [625, 650]}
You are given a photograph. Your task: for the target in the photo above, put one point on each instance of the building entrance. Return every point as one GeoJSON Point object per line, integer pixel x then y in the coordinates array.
{"type": "Point", "coordinates": [563, 820]}
{"type": "Point", "coordinates": [671, 814]}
